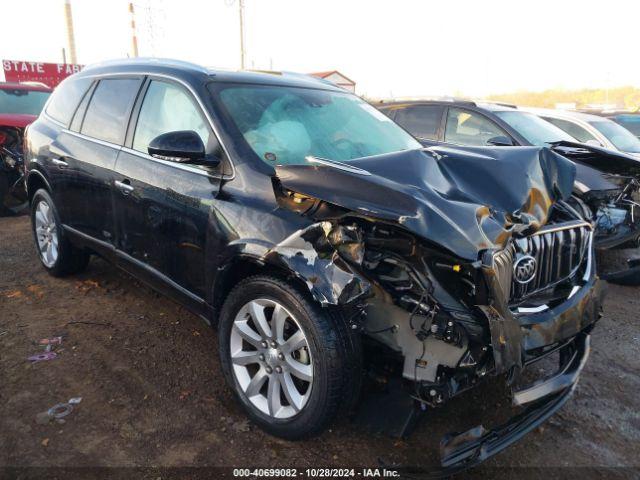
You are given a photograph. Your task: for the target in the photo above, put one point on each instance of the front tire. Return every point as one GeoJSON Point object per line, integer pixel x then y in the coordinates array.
{"type": "Point", "coordinates": [288, 361]}
{"type": "Point", "coordinates": [57, 255]}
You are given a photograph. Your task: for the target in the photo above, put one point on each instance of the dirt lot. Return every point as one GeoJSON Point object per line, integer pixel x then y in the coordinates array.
{"type": "Point", "coordinates": [153, 393]}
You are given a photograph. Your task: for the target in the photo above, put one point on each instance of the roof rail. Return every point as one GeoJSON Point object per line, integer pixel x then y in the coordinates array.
{"type": "Point", "coordinates": [167, 62]}
{"type": "Point", "coordinates": [503, 104]}
{"type": "Point", "coordinates": [426, 99]}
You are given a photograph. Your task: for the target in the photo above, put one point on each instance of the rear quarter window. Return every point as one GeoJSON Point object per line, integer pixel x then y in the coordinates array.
{"type": "Point", "coordinates": [66, 97]}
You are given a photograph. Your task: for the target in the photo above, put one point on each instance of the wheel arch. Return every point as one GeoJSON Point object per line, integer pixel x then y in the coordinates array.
{"type": "Point", "coordinates": [239, 267]}
{"type": "Point", "coordinates": [35, 181]}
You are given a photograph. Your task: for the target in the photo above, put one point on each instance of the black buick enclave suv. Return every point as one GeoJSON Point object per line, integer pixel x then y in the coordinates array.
{"type": "Point", "coordinates": [321, 239]}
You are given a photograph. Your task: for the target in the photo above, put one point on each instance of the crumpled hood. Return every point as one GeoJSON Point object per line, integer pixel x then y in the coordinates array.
{"type": "Point", "coordinates": [464, 199]}
{"type": "Point", "coordinates": [599, 158]}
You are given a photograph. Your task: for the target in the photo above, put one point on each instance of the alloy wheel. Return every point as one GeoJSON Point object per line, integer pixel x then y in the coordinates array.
{"type": "Point", "coordinates": [46, 233]}
{"type": "Point", "coordinates": [270, 358]}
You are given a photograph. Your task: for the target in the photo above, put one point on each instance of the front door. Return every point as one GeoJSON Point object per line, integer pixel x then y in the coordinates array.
{"type": "Point", "coordinates": [163, 207]}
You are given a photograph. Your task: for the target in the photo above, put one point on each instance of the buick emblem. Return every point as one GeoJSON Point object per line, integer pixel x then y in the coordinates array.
{"type": "Point", "coordinates": [524, 269]}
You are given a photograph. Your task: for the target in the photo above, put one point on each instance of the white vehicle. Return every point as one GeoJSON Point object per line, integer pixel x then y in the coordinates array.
{"type": "Point", "coordinates": [591, 129]}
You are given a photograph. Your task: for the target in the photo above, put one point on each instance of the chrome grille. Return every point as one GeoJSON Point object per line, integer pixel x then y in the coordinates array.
{"type": "Point", "coordinates": [558, 249]}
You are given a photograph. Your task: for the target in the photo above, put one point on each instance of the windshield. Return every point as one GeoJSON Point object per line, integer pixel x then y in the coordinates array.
{"type": "Point", "coordinates": [283, 125]}
{"type": "Point", "coordinates": [534, 129]}
{"type": "Point", "coordinates": [630, 122]}
{"type": "Point", "coordinates": [622, 139]}
{"type": "Point", "coordinates": [18, 100]}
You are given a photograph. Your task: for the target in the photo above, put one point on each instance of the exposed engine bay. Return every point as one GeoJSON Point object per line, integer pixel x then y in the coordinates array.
{"type": "Point", "coordinates": [442, 319]}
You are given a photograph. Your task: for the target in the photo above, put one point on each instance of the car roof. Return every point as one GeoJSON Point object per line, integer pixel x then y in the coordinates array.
{"type": "Point", "coordinates": [194, 71]}
{"type": "Point", "coordinates": [23, 86]}
{"type": "Point", "coordinates": [490, 106]}
{"type": "Point", "coordinates": [566, 114]}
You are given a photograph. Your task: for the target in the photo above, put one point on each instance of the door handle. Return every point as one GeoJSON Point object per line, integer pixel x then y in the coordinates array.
{"type": "Point", "coordinates": [59, 162]}
{"type": "Point", "coordinates": [124, 186]}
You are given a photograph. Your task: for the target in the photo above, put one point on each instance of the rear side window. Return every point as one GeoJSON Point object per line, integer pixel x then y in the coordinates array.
{"type": "Point", "coordinates": [469, 128]}
{"type": "Point", "coordinates": [572, 129]}
{"type": "Point", "coordinates": [108, 112]}
{"type": "Point", "coordinates": [66, 97]}
{"type": "Point", "coordinates": [421, 121]}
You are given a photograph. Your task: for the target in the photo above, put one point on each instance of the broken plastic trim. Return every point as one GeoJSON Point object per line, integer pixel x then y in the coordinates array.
{"type": "Point", "coordinates": [470, 448]}
{"type": "Point", "coordinates": [313, 258]}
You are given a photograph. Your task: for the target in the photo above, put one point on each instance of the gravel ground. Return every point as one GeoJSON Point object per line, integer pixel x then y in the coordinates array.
{"type": "Point", "coordinates": [153, 394]}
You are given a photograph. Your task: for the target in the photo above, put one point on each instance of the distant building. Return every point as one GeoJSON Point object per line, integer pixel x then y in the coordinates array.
{"type": "Point", "coordinates": [337, 78]}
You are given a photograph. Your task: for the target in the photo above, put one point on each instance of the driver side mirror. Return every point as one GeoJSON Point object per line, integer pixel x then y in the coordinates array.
{"type": "Point", "coordinates": [183, 146]}
{"type": "Point", "coordinates": [500, 141]}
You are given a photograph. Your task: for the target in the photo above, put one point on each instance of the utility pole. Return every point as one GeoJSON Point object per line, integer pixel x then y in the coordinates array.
{"type": "Point", "coordinates": [71, 41]}
{"type": "Point", "coordinates": [134, 39]}
{"type": "Point", "coordinates": [241, 12]}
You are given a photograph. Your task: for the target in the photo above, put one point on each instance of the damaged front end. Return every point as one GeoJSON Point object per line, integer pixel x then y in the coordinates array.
{"type": "Point", "coordinates": [451, 274]}
{"type": "Point", "coordinates": [607, 190]}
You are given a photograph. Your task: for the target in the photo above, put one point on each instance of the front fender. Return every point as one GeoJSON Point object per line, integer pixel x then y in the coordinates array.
{"type": "Point", "coordinates": [308, 255]}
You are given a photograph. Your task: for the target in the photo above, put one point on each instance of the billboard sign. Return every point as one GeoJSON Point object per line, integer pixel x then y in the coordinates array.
{"type": "Point", "coordinates": [51, 74]}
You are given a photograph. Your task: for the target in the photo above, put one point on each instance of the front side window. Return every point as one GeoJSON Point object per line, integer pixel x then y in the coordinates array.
{"type": "Point", "coordinates": [534, 129]}
{"type": "Point", "coordinates": [167, 108]}
{"type": "Point", "coordinates": [572, 129]}
{"type": "Point", "coordinates": [283, 125]}
{"type": "Point", "coordinates": [622, 139]}
{"type": "Point", "coordinates": [469, 128]}
{"type": "Point", "coordinates": [421, 121]}
{"type": "Point", "coordinates": [108, 111]}
{"type": "Point", "coordinates": [66, 98]}
{"type": "Point", "coordinates": [20, 100]}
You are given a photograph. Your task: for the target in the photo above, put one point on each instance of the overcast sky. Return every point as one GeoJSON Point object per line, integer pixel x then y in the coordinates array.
{"type": "Point", "coordinates": [389, 48]}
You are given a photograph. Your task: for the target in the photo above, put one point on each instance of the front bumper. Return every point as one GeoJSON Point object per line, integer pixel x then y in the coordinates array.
{"type": "Point", "coordinates": [464, 450]}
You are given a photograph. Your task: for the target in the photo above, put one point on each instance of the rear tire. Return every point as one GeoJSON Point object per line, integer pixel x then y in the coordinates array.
{"type": "Point", "coordinates": [312, 383]}
{"type": "Point", "coordinates": [57, 255]}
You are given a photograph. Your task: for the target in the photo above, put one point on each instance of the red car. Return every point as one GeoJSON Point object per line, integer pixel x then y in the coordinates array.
{"type": "Point", "coordinates": [20, 104]}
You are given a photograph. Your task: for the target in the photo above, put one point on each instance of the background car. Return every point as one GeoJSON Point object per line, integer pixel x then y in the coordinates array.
{"type": "Point", "coordinates": [20, 104]}
{"type": "Point", "coordinates": [607, 181]}
{"type": "Point", "coordinates": [592, 129]}
{"type": "Point", "coordinates": [630, 121]}
{"type": "Point", "coordinates": [460, 122]}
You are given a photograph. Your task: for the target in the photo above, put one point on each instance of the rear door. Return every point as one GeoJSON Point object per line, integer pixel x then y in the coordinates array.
{"type": "Point", "coordinates": [163, 207]}
{"type": "Point", "coordinates": [86, 156]}
{"type": "Point", "coordinates": [421, 121]}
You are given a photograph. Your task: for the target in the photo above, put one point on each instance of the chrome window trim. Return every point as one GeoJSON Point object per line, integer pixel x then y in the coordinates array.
{"type": "Point", "coordinates": [216, 132]}
{"type": "Point", "coordinates": [179, 166]}
{"type": "Point", "coordinates": [120, 148]}
{"type": "Point", "coordinates": [115, 146]}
